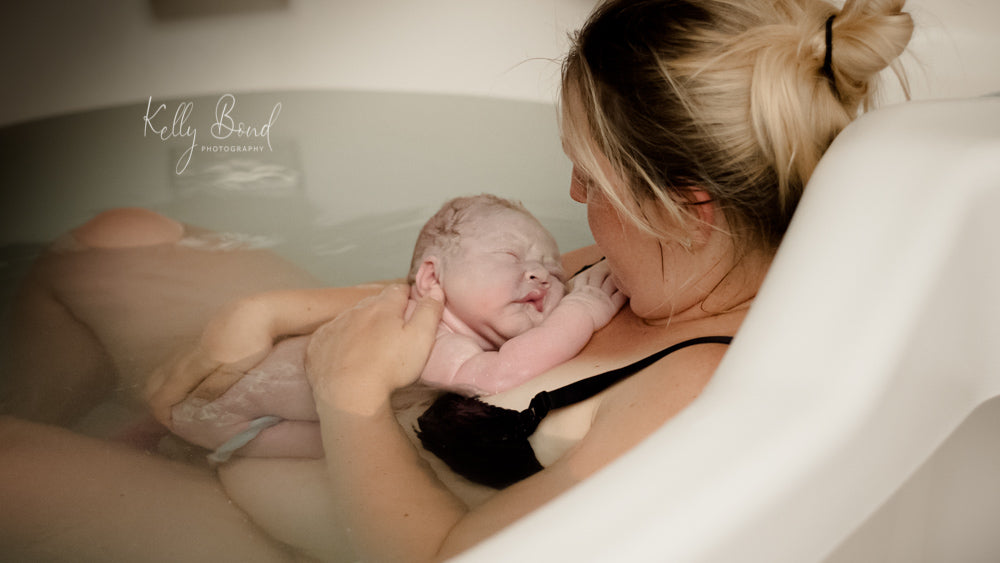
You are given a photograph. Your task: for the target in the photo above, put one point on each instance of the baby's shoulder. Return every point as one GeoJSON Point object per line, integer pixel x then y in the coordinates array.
{"type": "Point", "coordinates": [448, 339]}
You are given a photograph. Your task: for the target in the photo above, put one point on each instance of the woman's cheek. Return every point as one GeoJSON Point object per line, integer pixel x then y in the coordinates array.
{"type": "Point", "coordinates": [620, 285]}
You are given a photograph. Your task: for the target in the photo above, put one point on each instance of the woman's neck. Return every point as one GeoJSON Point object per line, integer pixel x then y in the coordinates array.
{"type": "Point", "coordinates": [725, 289]}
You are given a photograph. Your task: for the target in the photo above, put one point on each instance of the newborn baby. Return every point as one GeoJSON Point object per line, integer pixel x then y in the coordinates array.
{"type": "Point", "coordinates": [507, 318]}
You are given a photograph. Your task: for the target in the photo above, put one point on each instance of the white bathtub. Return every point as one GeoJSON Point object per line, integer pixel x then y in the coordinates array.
{"type": "Point", "coordinates": [873, 339]}
{"type": "Point", "coordinates": [824, 436]}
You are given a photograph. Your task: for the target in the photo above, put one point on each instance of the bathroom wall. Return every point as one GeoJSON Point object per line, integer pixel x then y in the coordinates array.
{"type": "Point", "coordinates": [65, 55]}
{"type": "Point", "coordinates": [80, 54]}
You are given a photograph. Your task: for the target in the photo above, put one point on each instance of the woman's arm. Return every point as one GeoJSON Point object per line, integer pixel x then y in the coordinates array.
{"type": "Point", "coordinates": [397, 509]}
{"type": "Point", "coordinates": [240, 336]}
{"type": "Point", "coordinates": [300, 311]}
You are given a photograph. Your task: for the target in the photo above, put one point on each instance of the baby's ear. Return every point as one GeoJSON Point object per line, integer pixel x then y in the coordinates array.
{"type": "Point", "coordinates": [427, 278]}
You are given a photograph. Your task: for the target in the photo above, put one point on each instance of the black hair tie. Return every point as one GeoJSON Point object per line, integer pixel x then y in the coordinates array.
{"type": "Point", "coordinates": [828, 57]}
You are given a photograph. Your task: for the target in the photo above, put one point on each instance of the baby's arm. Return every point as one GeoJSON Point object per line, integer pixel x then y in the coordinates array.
{"type": "Point", "coordinates": [458, 363]}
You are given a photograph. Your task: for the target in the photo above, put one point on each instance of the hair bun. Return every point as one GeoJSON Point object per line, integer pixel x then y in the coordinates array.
{"type": "Point", "coordinates": [867, 37]}
{"type": "Point", "coordinates": [729, 96]}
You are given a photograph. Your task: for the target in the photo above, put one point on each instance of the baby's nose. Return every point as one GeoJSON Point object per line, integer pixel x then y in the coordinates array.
{"type": "Point", "coordinates": [537, 273]}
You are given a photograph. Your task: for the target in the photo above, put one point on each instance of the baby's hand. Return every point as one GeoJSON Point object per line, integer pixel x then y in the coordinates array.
{"type": "Point", "coordinates": [596, 293]}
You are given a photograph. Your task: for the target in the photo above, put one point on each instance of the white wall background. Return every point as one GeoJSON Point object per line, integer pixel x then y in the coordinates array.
{"type": "Point", "coordinates": [65, 55]}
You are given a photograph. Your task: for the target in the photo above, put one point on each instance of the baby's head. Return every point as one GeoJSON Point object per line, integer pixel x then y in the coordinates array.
{"type": "Point", "coordinates": [497, 266]}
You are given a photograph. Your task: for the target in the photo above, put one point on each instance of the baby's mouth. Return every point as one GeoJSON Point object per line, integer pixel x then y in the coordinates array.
{"type": "Point", "coordinates": [536, 298]}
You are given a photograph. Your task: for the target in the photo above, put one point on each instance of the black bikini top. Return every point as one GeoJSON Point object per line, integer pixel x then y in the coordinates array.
{"type": "Point", "coordinates": [489, 445]}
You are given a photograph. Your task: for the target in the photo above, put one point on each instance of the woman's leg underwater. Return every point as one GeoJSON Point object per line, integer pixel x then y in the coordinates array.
{"type": "Point", "coordinates": [98, 311]}
{"type": "Point", "coordinates": [67, 497]}
{"type": "Point", "coordinates": [112, 300]}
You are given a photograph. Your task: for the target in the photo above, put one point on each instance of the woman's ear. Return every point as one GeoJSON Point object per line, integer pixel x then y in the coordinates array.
{"type": "Point", "coordinates": [702, 206]}
{"type": "Point", "coordinates": [428, 276]}
{"type": "Point", "coordinates": [702, 209]}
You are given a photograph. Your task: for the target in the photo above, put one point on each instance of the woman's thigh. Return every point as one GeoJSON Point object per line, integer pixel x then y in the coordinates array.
{"type": "Point", "coordinates": [118, 296]}
{"type": "Point", "coordinates": [142, 302]}
{"type": "Point", "coordinates": [290, 499]}
{"type": "Point", "coordinates": [68, 497]}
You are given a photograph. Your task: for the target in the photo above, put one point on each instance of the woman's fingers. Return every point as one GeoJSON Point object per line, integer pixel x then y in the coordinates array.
{"type": "Point", "coordinates": [358, 359]}
{"type": "Point", "coordinates": [217, 382]}
{"type": "Point", "coordinates": [424, 321]}
{"type": "Point", "coordinates": [195, 374]}
{"type": "Point", "coordinates": [171, 383]}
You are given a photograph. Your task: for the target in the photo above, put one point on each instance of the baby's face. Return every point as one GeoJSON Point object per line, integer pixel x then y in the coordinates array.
{"type": "Point", "coordinates": [505, 277]}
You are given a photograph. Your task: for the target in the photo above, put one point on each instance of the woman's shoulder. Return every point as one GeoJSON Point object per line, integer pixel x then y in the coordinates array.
{"type": "Point", "coordinates": [667, 386]}
{"type": "Point", "coordinates": [574, 260]}
{"type": "Point", "coordinates": [635, 408]}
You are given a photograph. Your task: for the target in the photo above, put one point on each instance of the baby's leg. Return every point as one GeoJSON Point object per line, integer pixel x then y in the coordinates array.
{"type": "Point", "coordinates": [288, 438]}
{"type": "Point", "coordinates": [278, 385]}
{"type": "Point", "coordinates": [271, 407]}
{"type": "Point", "coordinates": [114, 299]}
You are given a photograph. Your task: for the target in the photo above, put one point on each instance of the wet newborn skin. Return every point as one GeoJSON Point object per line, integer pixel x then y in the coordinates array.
{"type": "Point", "coordinates": [276, 387]}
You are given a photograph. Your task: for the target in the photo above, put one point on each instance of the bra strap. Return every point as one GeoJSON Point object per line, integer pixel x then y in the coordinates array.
{"type": "Point", "coordinates": [584, 389]}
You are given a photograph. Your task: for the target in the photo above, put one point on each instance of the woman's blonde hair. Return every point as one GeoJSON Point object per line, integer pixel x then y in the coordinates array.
{"type": "Point", "coordinates": [728, 96]}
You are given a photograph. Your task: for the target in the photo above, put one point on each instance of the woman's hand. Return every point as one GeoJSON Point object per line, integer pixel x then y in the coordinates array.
{"type": "Point", "coordinates": [357, 360]}
{"type": "Point", "coordinates": [234, 341]}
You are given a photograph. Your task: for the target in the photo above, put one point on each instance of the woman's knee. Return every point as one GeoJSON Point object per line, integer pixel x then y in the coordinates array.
{"type": "Point", "coordinates": [128, 227]}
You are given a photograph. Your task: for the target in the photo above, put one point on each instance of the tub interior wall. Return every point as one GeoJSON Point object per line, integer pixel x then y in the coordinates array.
{"type": "Point", "coordinates": [94, 53]}
{"type": "Point", "coordinates": [341, 185]}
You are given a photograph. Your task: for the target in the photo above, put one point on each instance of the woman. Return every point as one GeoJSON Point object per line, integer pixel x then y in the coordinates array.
{"type": "Point", "coordinates": [691, 148]}
{"type": "Point", "coordinates": [693, 128]}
